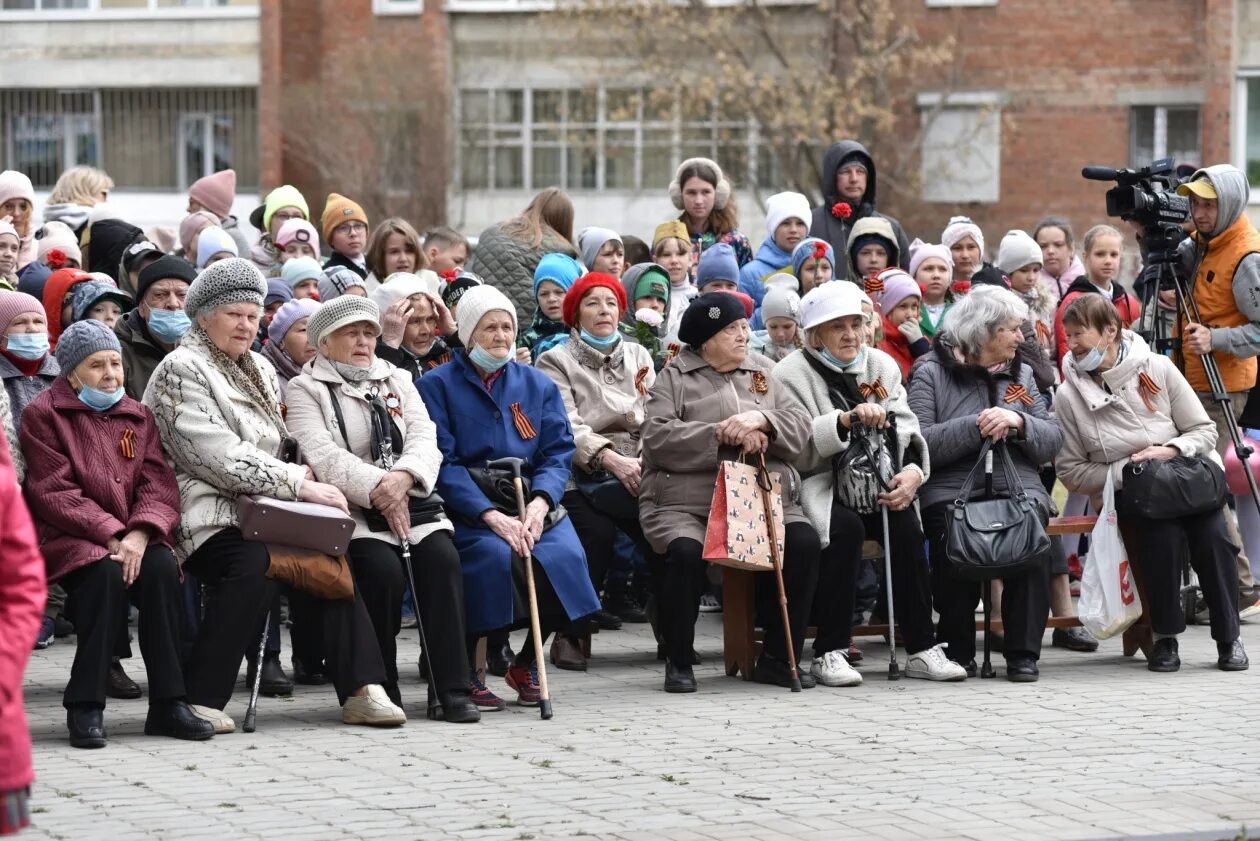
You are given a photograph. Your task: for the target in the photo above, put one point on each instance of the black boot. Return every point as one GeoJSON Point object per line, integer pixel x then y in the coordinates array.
{"type": "Point", "coordinates": [307, 677]}
{"type": "Point", "coordinates": [776, 672]}
{"type": "Point", "coordinates": [457, 707]}
{"type": "Point", "coordinates": [119, 684]}
{"type": "Point", "coordinates": [620, 601]}
{"type": "Point", "coordinates": [274, 681]}
{"type": "Point", "coordinates": [176, 719]}
{"type": "Point", "coordinates": [1164, 656]}
{"type": "Point", "coordinates": [606, 620]}
{"type": "Point", "coordinates": [1021, 668]}
{"type": "Point", "coordinates": [679, 679]}
{"type": "Point", "coordinates": [86, 723]}
{"type": "Point", "coordinates": [1231, 657]}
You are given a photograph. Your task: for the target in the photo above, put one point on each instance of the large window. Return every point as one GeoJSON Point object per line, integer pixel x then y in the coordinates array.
{"type": "Point", "coordinates": [1248, 126]}
{"type": "Point", "coordinates": [1164, 131]}
{"type": "Point", "coordinates": [205, 146]}
{"type": "Point", "coordinates": [125, 6]}
{"type": "Point", "coordinates": [44, 144]}
{"type": "Point", "coordinates": [962, 147]}
{"type": "Point", "coordinates": [595, 139]}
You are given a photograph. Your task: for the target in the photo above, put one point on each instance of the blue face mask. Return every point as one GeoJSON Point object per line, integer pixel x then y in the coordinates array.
{"type": "Point", "coordinates": [168, 326]}
{"type": "Point", "coordinates": [100, 401]}
{"type": "Point", "coordinates": [843, 366]}
{"type": "Point", "coordinates": [1090, 361]}
{"type": "Point", "coordinates": [600, 343]}
{"type": "Point", "coordinates": [30, 346]}
{"type": "Point", "coordinates": [485, 360]}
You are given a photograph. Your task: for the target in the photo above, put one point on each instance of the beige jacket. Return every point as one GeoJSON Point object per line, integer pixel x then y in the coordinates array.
{"type": "Point", "coordinates": [605, 406]}
{"type": "Point", "coordinates": [681, 454]}
{"type": "Point", "coordinates": [313, 423]}
{"type": "Point", "coordinates": [1103, 427]}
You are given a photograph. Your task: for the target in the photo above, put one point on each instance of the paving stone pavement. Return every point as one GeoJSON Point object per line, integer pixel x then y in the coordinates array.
{"type": "Point", "coordinates": [1099, 748]}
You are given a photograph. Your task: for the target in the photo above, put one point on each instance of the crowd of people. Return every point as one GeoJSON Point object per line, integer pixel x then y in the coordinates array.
{"type": "Point", "coordinates": [384, 373]}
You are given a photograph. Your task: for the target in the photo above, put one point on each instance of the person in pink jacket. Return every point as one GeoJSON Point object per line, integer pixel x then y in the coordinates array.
{"type": "Point", "coordinates": [22, 594]}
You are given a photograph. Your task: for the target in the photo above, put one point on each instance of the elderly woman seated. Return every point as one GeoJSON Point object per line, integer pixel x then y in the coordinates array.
{"type": "Point", "coordinates": [413, 322]}
{"type": "Point", "coordinates": [104, 504]}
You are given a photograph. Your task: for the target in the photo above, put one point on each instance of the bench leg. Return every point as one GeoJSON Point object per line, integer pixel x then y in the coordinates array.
{"type": "Point", "coordinates": [1138, 636]}
{"type": "Point", "coordinates": [738, 620]}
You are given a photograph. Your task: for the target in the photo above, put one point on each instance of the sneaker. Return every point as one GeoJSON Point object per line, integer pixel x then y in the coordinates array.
{"type": "Point", "coordinates": [222, 722]}
{"type": "Point", "coordinates": [373, 709]}
{"type": "Point", "coordinates": [47, 633]}
{"type": "Point", "coordinates": [932, 664]}
{"type": "Point", "coordinates": [1073, 639]}
{"type": "Point", "coordinates": [709, 603]}
{"type": "Point", "coordinates": [525, 682]}
{"type": "Point", "coordinates": [481, 695]}
{"type": "Point", "coordinates": [1251, 611]}
{"type": "Point", "coordinates": [833, 669]}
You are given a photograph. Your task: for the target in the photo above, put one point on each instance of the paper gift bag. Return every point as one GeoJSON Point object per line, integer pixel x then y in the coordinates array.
{"type": "Point", "coordinates": [736, 535]}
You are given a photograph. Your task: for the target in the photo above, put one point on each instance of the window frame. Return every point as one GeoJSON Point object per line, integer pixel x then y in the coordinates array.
{"type": "Point", "coordinates": [1241, 103]}
{"type": "Point", "coordinates": [1159, 145]}
{"type": "Point", "coordinates": [66, 136]}
{"type": "Point", "coordinates": [93, 12]}
{"type": "Point", "coordinates": [183, 178]}
{"type": "Point", "coordinates": [981, 103]}
{"type": "Point", "coordinates": [397, 8]}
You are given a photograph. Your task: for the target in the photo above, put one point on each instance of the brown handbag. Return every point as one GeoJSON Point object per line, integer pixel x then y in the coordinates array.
{"type": "Point", "coordinates": [311, 572]}
{"type": "Point", "coordinates": [304, 525]}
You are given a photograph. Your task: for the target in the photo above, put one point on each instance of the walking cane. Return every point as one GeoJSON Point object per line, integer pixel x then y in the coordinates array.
{"type": "Point", "coordinates": [987, 670]}
{"type": "Point", "coordinates": [767, 488]}
{"type": "Point", "coordinates": [894, 670]}
{"type": "Point", "coordinates": [251, 712]}
{"type": "Point", "coordinates": [535, 628]}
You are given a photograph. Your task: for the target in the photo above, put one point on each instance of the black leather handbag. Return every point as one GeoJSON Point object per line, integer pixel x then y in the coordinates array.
{"type": "Point", "coordinates": [1183, 486]}
{"type": "Point", "coordinates": [994, 538]}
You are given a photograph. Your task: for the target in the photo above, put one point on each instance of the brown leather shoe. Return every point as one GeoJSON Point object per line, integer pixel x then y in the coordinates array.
{"type": "Point", "coordinates": [566, 653]}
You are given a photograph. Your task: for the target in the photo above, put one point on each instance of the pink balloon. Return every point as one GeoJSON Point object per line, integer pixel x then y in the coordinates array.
{"type": "Point", "coordinates": [1234, 476]}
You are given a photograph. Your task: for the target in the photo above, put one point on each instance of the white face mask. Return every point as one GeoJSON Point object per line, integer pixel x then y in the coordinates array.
{"type": "Point", "coordinates": [1089, 362]}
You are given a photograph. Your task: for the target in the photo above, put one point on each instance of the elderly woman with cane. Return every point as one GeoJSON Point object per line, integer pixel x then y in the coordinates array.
{"type": "Point", "coordinates": [488, 407]}
{"type": "Point", "coordinates": [364, 429]}
{"type": "Point", "coordinates": [856, 398]}
{"type": "Point", "coordinates": [218, 413]}
{"type": "Point", "coordinates": [714, 402]}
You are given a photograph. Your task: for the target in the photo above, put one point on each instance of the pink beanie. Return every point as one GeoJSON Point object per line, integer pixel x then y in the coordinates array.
{"type": "Point", "coordinates": [215, 192]}
{"type": "Point", "coordinates": [192, 225]}
{"type": "Point", "coordinates": [13, 304]}
{"type": "Point", "coordinates": [298, 230]}
{"type": "Point", "coordinates": [897, 287]}
{"type": "Point", "coordinates": [15, 185]}
{"type": "Point", "coordinates": [926, 251]}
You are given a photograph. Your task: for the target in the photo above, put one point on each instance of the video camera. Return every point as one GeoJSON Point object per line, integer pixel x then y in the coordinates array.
{"type": "Point", "coordinates": [1146, 196]}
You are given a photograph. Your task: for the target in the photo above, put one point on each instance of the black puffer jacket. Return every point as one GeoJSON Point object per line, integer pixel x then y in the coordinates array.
{"type": "Point", "coordinates": [836, 231]}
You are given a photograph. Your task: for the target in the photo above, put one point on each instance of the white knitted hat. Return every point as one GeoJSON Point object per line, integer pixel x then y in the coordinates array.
{"type": "Point", "coordinates": [475, 304]}
{"type": "Point", "coordinates": [337, 313]}
{"type": "Point", "coordinates": [959, 227]}
{"type": "Point", "coordinates": [1017, 250]}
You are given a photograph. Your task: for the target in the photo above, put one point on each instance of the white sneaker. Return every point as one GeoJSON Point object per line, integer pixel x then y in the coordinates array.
{"type": "Point", "coordinates": [833, 669]}
{"type": "Point", "coordinates": [373, 709]}
{"type": "Point", "coordinates": [1249, 612]}
{"type": "Point", "coordinates": [932, 664]}
{"type": "Point", "coordinates": [222, 722]}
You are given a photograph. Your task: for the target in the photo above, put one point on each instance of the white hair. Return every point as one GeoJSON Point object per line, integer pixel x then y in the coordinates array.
{"type": "Point", "coordinates": [974, 321]}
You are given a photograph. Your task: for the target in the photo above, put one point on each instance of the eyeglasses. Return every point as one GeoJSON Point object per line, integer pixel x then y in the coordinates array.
{"type": "Point", "coordinates": [351, 228]}
{"type": "Point", "coordinates": [285, 217]}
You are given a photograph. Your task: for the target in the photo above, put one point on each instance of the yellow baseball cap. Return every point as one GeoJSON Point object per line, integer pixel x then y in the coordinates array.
{"type": "Point", "coordinates": [1201, 187]}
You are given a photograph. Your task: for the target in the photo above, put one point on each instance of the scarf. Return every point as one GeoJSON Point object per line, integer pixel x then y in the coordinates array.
{"type": "Point", "coordinates": [543, 334]}
{"type": "Point", "coordinates": [243, 373]}
{"type": "Point", "coordinates": [286, 367]}
{"type": "Point", "coordinates": [26, 367]}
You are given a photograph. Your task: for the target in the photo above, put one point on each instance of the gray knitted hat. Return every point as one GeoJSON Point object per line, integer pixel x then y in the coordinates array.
{"type": "Point", "coordinates": [337, 313]}
{"type": "Point", "coordinates": [233, 281]}
{"type": "Point", "coordinates": [81, 340]}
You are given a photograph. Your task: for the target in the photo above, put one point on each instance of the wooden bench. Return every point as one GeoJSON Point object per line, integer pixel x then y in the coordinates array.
{"type": "Point", "coordinates": [741, 639]}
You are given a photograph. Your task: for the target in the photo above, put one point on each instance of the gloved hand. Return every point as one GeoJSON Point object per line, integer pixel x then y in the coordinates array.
{"type": "Point", "coordinates": [911, 330]}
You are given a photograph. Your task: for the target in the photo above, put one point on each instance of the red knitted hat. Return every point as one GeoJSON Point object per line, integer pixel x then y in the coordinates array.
{"type": "Point", "coordinates": [585, 283]}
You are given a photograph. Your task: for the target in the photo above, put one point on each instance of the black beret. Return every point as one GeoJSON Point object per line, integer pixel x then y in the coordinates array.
{"type": "Point", "coordinates": [708, 315]}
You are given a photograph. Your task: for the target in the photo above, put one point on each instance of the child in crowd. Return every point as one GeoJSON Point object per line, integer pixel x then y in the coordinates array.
{"type": "Point", "coordinates": [671, 248]}
{"type": "Point", "coordinates": [932, 267]}
{"type": "Point", "coordinates": [57, 236]}
{"type": "Point", "coordinates": [282, 204]}
{"type": "Point", "coordinates": [303, 275]}
{"type": "Point", "coordinates": [451, 294]}
{"type": "Point", "coordinates": [98, 301]}
{"type": "Point", "coordinates": [1019, 259]}
{"type": "Point", "coordinates": [787, 223]}
{"type": "Point", "coordinates": [813, 263]}
{"type": "Point", "coordinates": [781, 310]}
{"type": "Point", "coordinates": [393, 248]}
{"type": "Point", "coordinates": [339, 281]}
{"type": "Point", "coordinates": [602, 251]}
{"type": "Point", "coordinates": [10, 244]}
{"type": "Point", "coordinates": [445, 249]}
{"type": "Point", "coordinates": [965, 241]}
{"type": "Point", "coordinates": [190, 229]}
{"type": "Point", "coordinates": [1104, 248]}
{"type": "Point", "coordinates": [278, 294]}
{"type": "Point", "coordinates": [647, 289]}
{"type": "Point", "coordinates": [718, 271]}
{"type": "Point", "coordinates": [637, 250]}
{"type": "Point", "coordinates": [213, 245]}
{"type": "Point", "coordinates": [898, 296]}
{"type": "Point", "coordinates": [297, 238]}
{"type": "Point", "coordinates": [555, 275]}
{"type": "Point", "coordinates": [345, 228]}
{"type": "Point", "coordinates": [872, 248]}
{"type": "Point", "coordinates": [17, 204]}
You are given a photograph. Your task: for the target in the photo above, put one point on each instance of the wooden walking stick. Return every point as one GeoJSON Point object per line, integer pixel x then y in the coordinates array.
{"type": "Point", "coordinates": [767, 488]}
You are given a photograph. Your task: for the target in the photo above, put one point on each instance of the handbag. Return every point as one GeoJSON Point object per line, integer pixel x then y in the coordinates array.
{"type": "Point", "coordinates": [498, 486]}
{"type": "Point", "coordinates": [303, 525]}
{"type": "Point", "coordinates": [311, 572]}
{"type": "Point", "coordinates": [607, 495]}
{"type": "Point", "coordinates": [1183, 486]}
{"type": "Point", "coordinates": [858, 472]}
{"type": "Point", "coordinates": [423, 510]}
{"type": "Point", "coordinates": [736, 534]}
{"type": "Point", "coordinates": [1109, 601]}
{"type": "Point", "coordinates": [994, 538]}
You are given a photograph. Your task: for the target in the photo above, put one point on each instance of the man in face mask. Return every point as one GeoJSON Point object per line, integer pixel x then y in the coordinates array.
{"type": "Point", "coordinates": [153, 329]}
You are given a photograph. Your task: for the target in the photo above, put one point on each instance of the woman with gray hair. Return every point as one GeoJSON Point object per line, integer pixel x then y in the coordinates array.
{"type": "Point", "coordinates": [974, 385]}
{"type": "Point", "coordinates": [218, 413]}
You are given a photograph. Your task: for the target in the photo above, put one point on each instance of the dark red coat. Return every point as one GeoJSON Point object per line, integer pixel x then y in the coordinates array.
{"type": "Point", "coordinates": [82, 488]}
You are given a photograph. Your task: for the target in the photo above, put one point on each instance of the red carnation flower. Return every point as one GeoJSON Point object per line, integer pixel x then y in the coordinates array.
{"type": "Point", "coordinates": [820, 250]}
{"type": "Point", "coordinates": [449, 275]}
{"type": "Point", "coordinates": [962, 287]}
{"type": "Point", "coordinates": [841, 210]}
{"type": "Point", "coordinates": [55, 259]}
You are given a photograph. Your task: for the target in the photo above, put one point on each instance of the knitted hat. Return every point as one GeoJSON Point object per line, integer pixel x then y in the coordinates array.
{"type": "Point", "coordinates": [191, 225]}
{"type": "Point", "coordinates": [214, 241]}
{"type": "Point", "coordinates": [164, 268]}
{"type": "Point", "coordinates": [573, 298]}
{"type": "Point", "coordinates": [646, 280]}
{"type": "Point", "coordinates": [926, 251]}
{"type": "Point", "coordinates": [707, 315]}
{"type": "Point", "coordinates": [15, 185]}
{"type": "Point", "coordinates": [297, 230]}
{"type": "Point", "coordinates": [783, 280]}
{"type": "Point", "coordinates": [784, 206]}
{"type": "Point", "coordinates": [712, 174]}
{"type": "Point", "coordinates": [401, 285]}
{"type": "Point", "coordinates": [560, 269]}
{"type": "Point", "coordinates": [81, 340]}
{"type": "Point", "coordinates": [831, 301]}
{"type": "Point", "coordinates": [854, 158]}
{"type": "Point", "coordinates": [57, 236]}
{"type": "Point", "coordinates": [88, 295]}
{"type": "Point", "coordinates": [337, 210]}
{"type": "Point", "coordinates": [336, 280]}
{"type": "Point", "coordinates": [299, 269]}
{"type": "Point", "coordinates": [232, 281]}
{"type": "Point", "coordinates": [717, 263]}
{"type": "Point", "coordinates": [285, 195]}
{"type": "Point", "coordinates": [277, 291]}
{"type": "Point", "coordinates": [456, 289]}
{"type": "Point", "coordinates": [806, 251]}
{"type": "Point", "coordinates": [473, 306]}
{"type": "Point", "coordinates": [7, 230]}
{"type": "Point", "coordinates": [960, 227]}
{"type": "Point", "coordinates": [215, 192]}
{"type": "Point", "coordinates": [56, 290]}
{"type": "Point", "coordinates": [591, 240]}
{"type": "Point", "coordinates": [673, 229]}
{"type": "Point", "coordinates": [333, 315]}
{"type": "Point", "coordinates": [897, 287]}
{"type": "Point", "coordinates": [293, 311]}
{"type": "Point", "coordinates": [780, 303]}
{"type": "Point", "coordinates": [13, 304]}
{"type": "Point", "coordinates": [1017, 250]}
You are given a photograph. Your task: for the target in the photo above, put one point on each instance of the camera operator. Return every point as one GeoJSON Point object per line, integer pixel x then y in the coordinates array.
{"type": "Point", "coordinates": [1223, 252]}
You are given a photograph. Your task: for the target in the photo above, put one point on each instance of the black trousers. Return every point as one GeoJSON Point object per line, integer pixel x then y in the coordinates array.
{"type": "Point", "coordinates": [684, 581]}
{"type": "Point", "coordinates": [380, 577]}
{"type": "Point", "coordinates": [838, 570]}
{"type": "Point", "coordinates": [552, 616]}
{"type": "Point", "coordinates": [1025, 601]}
{"type": "Point", "coordinates": [97, 607]}
{"type": "Point", "coordinates": [597, 532]}
{"type": "Point", "coordinates": [1163, 548]}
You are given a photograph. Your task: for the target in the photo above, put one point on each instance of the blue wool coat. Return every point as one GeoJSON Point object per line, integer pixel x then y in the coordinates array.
{"type": "Point", "coordinates": [475, 426]}
{"type": "Point", "coordinates": [752, 277]}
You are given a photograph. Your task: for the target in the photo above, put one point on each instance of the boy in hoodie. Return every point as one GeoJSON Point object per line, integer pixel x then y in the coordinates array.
{"type": "Point", "coordinates": [346, 232]}
{"type": "Point", "coordinates": [787, 223]}
{"type": "Point", "coordinates": [602, 251]}
{"type": "Point", "coordinates": [872, 248]}
{"type": "Point", "coordinates": [847, 183]}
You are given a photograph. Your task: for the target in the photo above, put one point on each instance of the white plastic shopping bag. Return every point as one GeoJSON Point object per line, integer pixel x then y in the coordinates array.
{"type": "Point", "coordinates": [1109, 601]}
